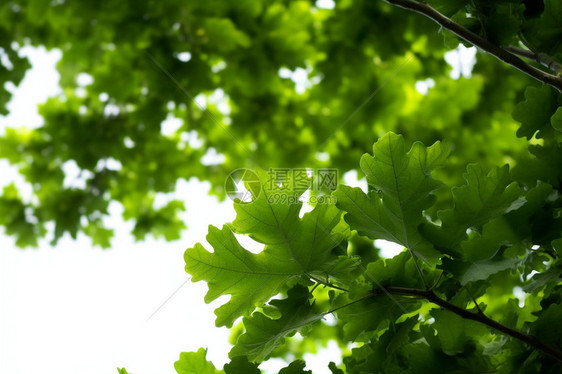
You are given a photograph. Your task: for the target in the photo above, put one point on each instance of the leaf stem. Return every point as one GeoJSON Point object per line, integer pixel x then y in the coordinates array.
{"type": "Point", "coordinates": [474, 301]}
{"type": "Point", "coordinates": [478, 41]}
{"type": "Point", "coordinates": [478, 317]}
{"type": "Point", "coordinates": [348, 304]}
{"type": "Point", "coordinates": [438, 280]}
{"type": "Point", "coordinates": [326, 283]}
{"type": "Point", "coordinates": [415, 259]}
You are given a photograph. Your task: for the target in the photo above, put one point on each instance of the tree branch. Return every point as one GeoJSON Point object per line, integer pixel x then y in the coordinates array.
{"type": "Point", "coordinates": [484, 44]}
{"type": "Point", "coordinates": [542, 58]}
{"type": "Point", "coordinates": [478, 317]}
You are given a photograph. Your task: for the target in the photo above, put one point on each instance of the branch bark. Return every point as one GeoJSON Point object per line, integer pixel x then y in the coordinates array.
{"type": "Point", "coordinates": [542, 58]}
{"type": "Point", "coordinates": [478, 317]}
{"type": "Point", "coordinates": [478, 41]}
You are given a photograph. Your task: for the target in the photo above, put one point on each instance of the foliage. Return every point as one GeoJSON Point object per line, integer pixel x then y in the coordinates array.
{"type": "Point", "coordinates": [471, 189]}
{"type": "Point", "coordinates": [148, 60]}
{"type": "Point", "coordinates": [391, 305]}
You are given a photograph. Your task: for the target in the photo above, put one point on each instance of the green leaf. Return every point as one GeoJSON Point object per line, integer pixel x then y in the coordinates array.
{"type": "Point", "coordinates": [508, 229]}
{"type": "Point", "coordinates": [231, 269]}
{"type": "Point", "coordinates": [467, 272]}
{"type": "Point", "coordinates": [484, 197]}
{"type": "Point", "coordinates": [295, 367]}
{"type": "Point", "coordinates": [264, 334]}
{"type": "Point", "coordinates": [372, 312]}
{"type": "Point", "coordinates": [456, 334]}
{"type": "Point", "coordinates": [447, 7]}
{"type": "Point", "coordinates": [557, 246]}
{"type": "Point", "coordinates": [241, 365]}
{"type": "Point", "coordinates": [385, 352]}
{"type": "Point", "coordinates": [399, 270]}
{"type": "Point", "coordinates": [100, 235]}
{"type": "Point", "coordinates": [123, 371]}
{"type": "Point", "coordinates": [224, 35]}
{"type": "Point", "coordinates": [273, 219]}
{"type": "Point", "coordinates": [548, 327]}
{"type": "Point", "coordinates": [556, 119]}
{"type": "Point", "coordinates": [544, 34]}
{"type": "Point", "coordinates": [545, 165]}
{"type": "Point", "coordinates": [195, 363]}
{"type": "Point", "coordinates": [549, 277]}
{"type": "Point", "coordinates": [294, 248]}
{"type": "Point", "coordinates": [334, 369]}
{"type": "Point", "coordinates": [400, 188]}
{"type": "Point", "coordinates": [535, 112]}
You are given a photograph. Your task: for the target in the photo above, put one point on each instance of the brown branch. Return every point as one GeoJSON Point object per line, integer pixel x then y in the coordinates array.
{"type": "Point", "coordinates": [480, 42]}
{"type": "Point", "coordinates": [542, 58]}
{"type": "Point", "coordinates": [478, 317]}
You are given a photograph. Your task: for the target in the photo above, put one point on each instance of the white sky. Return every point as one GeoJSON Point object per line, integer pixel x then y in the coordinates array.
{"type": "Point", "coordinates": [75, 308]}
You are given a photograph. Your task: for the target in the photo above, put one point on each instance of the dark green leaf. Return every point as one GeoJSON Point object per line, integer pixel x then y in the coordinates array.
{"type": "Point", "coordinates": [264, 334]}
{"type": "Point", "coordinates": [241, 365]}
{"type": "Point", "coordinates": [296, 367]}
{"type": "Point", "coordinates": [535, 112]}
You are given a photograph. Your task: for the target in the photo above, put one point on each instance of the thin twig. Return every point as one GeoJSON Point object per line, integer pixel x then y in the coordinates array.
{"type": "Point", "coordinates": [474, 301]}
{"type": "Point", "coordinates": [326, 283]}
{"type": "Point", "coordinates": [478, 41]}
{"type": "Point", "coordinates": [542, 58]}
{"type": "Point", "coordinates": [418, 268]}
{"type": "Point", "coordinates": [478, 317]}
{"type": "Point", "coordinates": [438, 280]}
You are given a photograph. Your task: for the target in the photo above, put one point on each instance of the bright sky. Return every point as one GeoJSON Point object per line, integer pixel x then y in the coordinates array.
{"type": "Point", "coordinates": [75, 308]}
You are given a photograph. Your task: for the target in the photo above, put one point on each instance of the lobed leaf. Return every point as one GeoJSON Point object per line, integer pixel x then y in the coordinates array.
{"type": "Point", "coordinates": [484, 197]}
{"type": "Point", "coordinates": [536, 111]}
{"type": "Point", "coordinates": [400, 188]}
{"type": "Point", "coordinates": [294, 248]}
{"type": "Point", "coordinates": [241, 365]}
{"type": "Point", "coordinates": [195, 363]}
{"type": "Point", "coordinates": [263, 334]}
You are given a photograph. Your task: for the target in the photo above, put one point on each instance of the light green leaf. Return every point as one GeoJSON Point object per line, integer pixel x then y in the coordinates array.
{"type": "Point", "coordinates": [195, 363]}
{"type": "Point", "coordinates": [264, 334]}
{"type": "Point", "coordinates": [223, 34]}
{"type": "Point", "coordinates": [273, 219]}
{"type": "Point", "coordinates": [233, 270]}
{"type": "Point", "coordinates": [556, 119]}
{"type": "Point", "coordinates": [294, 248]}
{"type": "Point", "coordinates": [400, 188]}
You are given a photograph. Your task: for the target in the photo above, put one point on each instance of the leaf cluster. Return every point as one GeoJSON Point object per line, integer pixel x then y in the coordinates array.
{"type": "Point", "coordinates": [446, 301]}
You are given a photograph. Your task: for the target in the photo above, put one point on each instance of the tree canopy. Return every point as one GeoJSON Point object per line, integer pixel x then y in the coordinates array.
{"type": "Point", "coordinates": [466, 176]}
